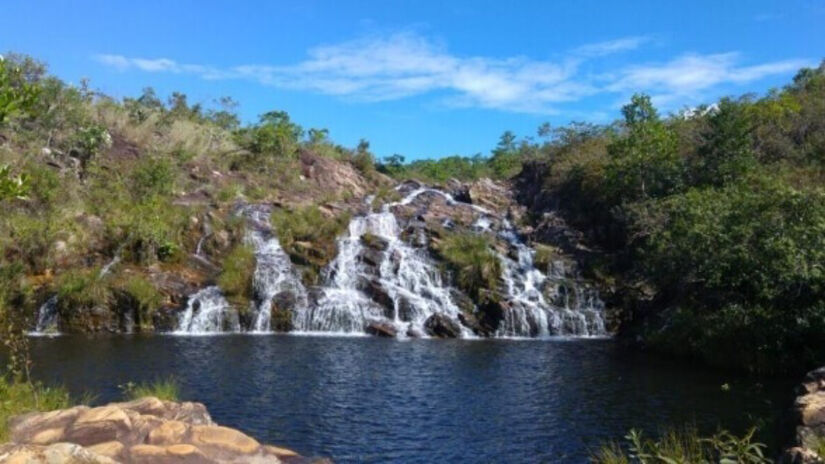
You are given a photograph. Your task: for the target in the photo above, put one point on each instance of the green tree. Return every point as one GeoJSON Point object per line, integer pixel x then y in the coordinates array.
{"type": "Point", "coordinates": [727, 152]}
{"type": "Point", "coordinates": [17, 94]}
{"type": "Point", "coordinates": [644, 163]}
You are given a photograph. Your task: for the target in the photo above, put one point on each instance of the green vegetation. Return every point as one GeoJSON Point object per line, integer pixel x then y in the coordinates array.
{"type": "Point", "coordinates": [718, 210]}
{"type": "Point", "coordinates": [236, 276]}
{"type": "Point", "coordinates": [85, 178]}
{"type": "Point", "coordinates": [144, 296]}
{"type": "Point", "coordinates": [684, 447]}
{"type": "Point", "coordinates": [166, 389]}
{"type": "Point", "coordinates": [308, 235]}
{"type": "Point", "coordinates": [475, 265]}
{"type": "Point", "coordinates": [21, 397]}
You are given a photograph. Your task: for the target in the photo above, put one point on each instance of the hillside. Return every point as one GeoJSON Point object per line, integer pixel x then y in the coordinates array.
{"type": "Point", "coordinates": [703, 230]}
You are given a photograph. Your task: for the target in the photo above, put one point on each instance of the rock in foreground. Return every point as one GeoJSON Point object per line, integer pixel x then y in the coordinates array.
{"type": "Point", "coordinates": [146, 430]}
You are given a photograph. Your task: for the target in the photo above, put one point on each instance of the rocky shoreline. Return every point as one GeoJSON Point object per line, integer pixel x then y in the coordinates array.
{"type": "Point", "coordinates": [146, 430]}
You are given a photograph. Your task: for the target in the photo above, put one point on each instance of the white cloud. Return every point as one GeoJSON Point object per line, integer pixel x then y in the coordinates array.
{"type": "Point", "coordinates": [690, 75]}
{"type": "Point", "coordinates": [403, 65]}
{"type": "Point", "coordinates": [611, 46]}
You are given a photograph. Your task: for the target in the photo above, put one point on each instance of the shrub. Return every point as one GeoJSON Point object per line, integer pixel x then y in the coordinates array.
{"type": "Point", "coordinates": [236, 276]}
{"type": "Point", "coordinates": [153, 176]}
{"type": "Point", "coordinates": [475, 265]}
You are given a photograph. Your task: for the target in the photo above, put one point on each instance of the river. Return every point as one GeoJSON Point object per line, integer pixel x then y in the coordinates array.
{"type": "Point", "coordinates": [360, 399]}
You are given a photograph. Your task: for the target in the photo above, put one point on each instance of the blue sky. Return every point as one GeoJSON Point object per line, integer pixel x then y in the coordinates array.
{"type": "Point", "coordinates": [424, 78]}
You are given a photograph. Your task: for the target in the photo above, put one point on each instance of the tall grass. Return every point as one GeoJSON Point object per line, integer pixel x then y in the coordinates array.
{"type": "Point", "coordinates": [683, 446]}
{"type": "Point", "coordinates": [236, 276]}
{"type": "Point", "coordinates": [21, 397]}
{"type": "Point", "coordinates": [166, 389]}
{"type": "Point", "coordinates": [473, 261]}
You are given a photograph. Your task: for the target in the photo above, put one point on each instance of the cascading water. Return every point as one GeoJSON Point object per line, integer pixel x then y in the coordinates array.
{"type": "Point", "coordinates": [208, 312]}
{"type": "Point", "coordinates": [529, 313]}
{"type": "Point", "coordinates": [274, 272]}
{"type": "Point", "coordinates": [410, 287]}
{"type": "Point", "coordinates": [47, 318]}
{"type": "Point", "coordinates": [380, 280]}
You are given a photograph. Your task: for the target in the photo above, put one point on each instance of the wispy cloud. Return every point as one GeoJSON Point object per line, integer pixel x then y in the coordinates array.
{"type": "Point", "coordinates": [403, 65]}
{"type": "Point", "coordinates": [611, 46]}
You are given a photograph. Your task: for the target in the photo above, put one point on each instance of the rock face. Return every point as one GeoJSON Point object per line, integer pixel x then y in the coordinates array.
{"type": "Point", "coordinates": [141, 431]}
{"type": "Point", "coordinates": [809, 418]}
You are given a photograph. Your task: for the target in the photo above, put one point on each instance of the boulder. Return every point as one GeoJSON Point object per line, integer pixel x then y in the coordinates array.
{"type": "Point", "coordinates": [490, 195]}
{"type": "Point", "coordinates": [146, 430]}
{"type": "Point", "coordinates": [439, 325]}
{"type": "Point", "coordinates": [381, 329]}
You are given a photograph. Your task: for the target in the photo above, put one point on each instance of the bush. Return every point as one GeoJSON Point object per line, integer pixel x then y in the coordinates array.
{"type": "Point", "coordinates": [475, 265]}
{"type": "Point", "coordinates": [236, 276]}
{"type": "Point", "coordinates": [153, 176]}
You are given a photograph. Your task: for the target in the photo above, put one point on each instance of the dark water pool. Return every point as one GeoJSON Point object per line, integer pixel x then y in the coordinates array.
{"type": "Point", "coordinates": [417, 401]}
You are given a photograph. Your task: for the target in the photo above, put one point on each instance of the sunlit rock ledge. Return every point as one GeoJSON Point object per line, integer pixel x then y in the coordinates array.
{"type": "Point", "coordinates": [146, 430]}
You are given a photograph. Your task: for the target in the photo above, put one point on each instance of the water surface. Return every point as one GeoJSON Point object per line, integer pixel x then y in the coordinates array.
{"type": "Point", "coordinates": [416, 401]}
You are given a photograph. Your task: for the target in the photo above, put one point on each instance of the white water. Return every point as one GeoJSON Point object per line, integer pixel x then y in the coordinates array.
{"type": "Point", "coordinates": [274, 272]}
{"type": "Point", "coordinates": [405, 276]}
{"type": "Point", "coordinates": [530, 315]}
{"type": "Point", "coordinates": [47, 318]}
{"type": "Point", "coordinates": [208, 312]}
{"type": "Point", "coordinates": [398, 288]}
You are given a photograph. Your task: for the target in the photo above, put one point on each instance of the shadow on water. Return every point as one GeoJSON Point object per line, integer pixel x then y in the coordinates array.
{"type": "Point", "coordinates": [379, 400]}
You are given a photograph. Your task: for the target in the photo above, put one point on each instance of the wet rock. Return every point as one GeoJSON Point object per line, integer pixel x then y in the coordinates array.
{"type": "Point", "coordinates": [439, 325]}
{"type": "Point", "coordinates": [372, 258]}
{"type": "Point", "coordinates": [373, 289]}
{"type": "Point", "coordinates": [381, 329]}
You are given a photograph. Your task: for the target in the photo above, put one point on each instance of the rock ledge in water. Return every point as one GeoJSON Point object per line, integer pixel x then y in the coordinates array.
{"type": "Point", "coordinates": [143, 430]}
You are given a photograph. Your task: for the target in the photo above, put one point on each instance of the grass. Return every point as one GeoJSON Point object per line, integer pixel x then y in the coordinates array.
{"type": "Point", "coordinates": [236, 276]}
{"type": "Point", "coordinates": [82, 288]}
{"type": "Point", "coordinates": [308, 236]}
{"type": "Point", "coordinates": [166, 389]}
{"type": "Point", "coordinates": [143, 294]}
{"type": "Point", "coordinates": [19, 398]}
{"type": "Point", "coordinates": [471, 258]}
{"type": "Point", "coordinates": [683, 446]}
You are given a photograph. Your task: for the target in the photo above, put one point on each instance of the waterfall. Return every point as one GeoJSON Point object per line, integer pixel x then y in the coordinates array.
{"type": "Point", "coordinates": [47, 318]}
{"type": "Point", "coordinates": [207, 311]}
{"type": "Point", "coordinates": [529, 313]}
{"type": "Point", "coordinates": [274, 272]}
{"type": "Point", "coordinates": [402, 278]}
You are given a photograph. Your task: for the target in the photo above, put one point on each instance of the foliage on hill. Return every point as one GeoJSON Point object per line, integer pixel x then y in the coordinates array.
{"type": "Point", "coordinates": [85, 178]}
{"type": "Point", "coordinates": [720, 209]}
